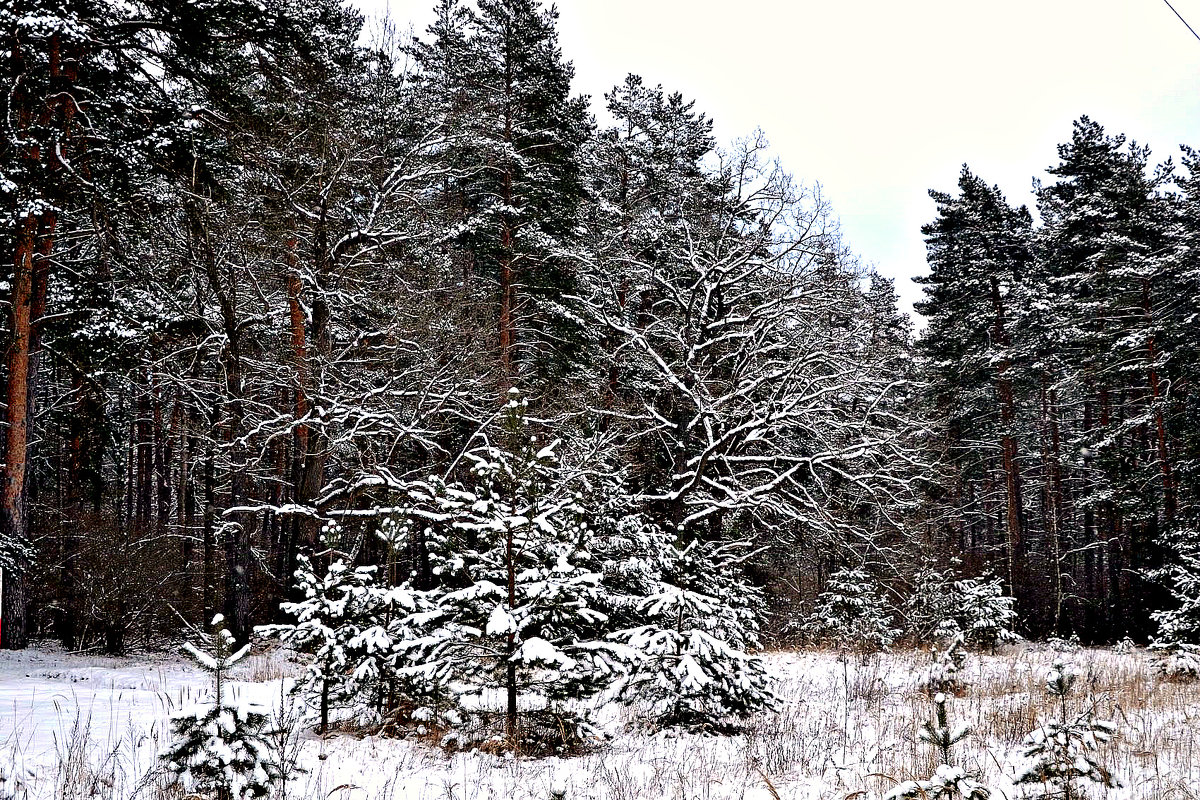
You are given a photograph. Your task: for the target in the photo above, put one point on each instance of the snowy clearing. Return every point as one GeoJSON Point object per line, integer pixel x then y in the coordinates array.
{"type": "Point", "coordinates": [76, 726]}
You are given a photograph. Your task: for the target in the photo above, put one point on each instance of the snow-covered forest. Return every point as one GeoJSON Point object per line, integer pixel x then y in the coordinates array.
{"type": "Point", "coordinates": [478, 415]}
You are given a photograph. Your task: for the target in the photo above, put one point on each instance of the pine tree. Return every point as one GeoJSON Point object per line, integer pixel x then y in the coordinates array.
{"type": "Point", "coordinates": [942, 606]}
{"type": "Point", "coordinates": [1063, 752]}
{"type": "Point", "coordinates": [222, 748]}
{"type": "Point", "coordinates": [87, 140]}
{"type": "Point", "coordinates": [517, 134]}
{"type": "Point", "coordinates": [689, 660]}
{"type": "Point", "coordinates": [1103, 247]}
{"type": "Point", "coordinates": [978, 251]}
{"type": "Point", "coordinates": [948, 782]}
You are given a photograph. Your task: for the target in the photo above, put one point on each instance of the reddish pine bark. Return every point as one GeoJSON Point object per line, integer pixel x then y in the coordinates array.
{"type": "Point", "coordinates": [12, 506]}
{"type": "Point", "coordinates": [1008, 443]}
{"type": "Point", "coordinates": [1170, 503]}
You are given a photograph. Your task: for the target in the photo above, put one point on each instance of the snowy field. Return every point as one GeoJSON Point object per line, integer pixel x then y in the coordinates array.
{"type": "Point", "coordinates": [74, 727]}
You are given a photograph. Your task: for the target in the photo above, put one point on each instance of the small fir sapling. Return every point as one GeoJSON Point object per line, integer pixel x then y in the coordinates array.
{"type": "Point", "coordinates": [222, 749]}
{"type": "Point", "coordinates": [938, 731]}
{"type": "Point", "coordinates": [515, 631]}
{"type": "Point", "coordinates": [930, 606]}
{"type": "Point", "coordinates": [352, 629]}
{"type": "Point", "coordinates": [948, 782]}
{"type": "Point", "coordinates": [376, 672]}
{"type": "Point", "coordinates": [1061, 753]}
{"type": "Point", "coordinates": [1178, 661]}
{"type": "Point", "coordinates": [1071, 644]}
{"type": "Point", "coordinates": [685, 618]}
{"type": "Point", "coordinates": [941, 607]}
{"type": "Point", "coordinates": [985, 614]}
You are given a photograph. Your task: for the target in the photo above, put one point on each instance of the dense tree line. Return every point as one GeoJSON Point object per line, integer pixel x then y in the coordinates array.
{"type": "Point", "coordinates": [1060, 367]}
{"type": "Point", "coordinates": [278, 279]}
{"type": "Point", "coordinates": [273, 277]}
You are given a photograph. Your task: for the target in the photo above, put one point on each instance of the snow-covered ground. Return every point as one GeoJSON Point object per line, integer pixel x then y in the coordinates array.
{"type": "Point", "coordinates": [76, 726]}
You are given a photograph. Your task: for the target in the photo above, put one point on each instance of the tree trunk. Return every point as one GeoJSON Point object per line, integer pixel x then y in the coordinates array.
{"type": "Point", "coordinates": [1051, 490]}
{"type": "Point", "coordinates": [1008, 444]}
{"type": "Point", "coordinates": [510, 716]}
{"type": "Point", "coordinates": [1170, 503]}
{"type": "Point", "coordinates": [300, 434]}
{"type": "Point", "coordinates": [508, 332]}
{"type": "Point", "coordinates": [12, 509]}
{"type": "Point", "coordinates": [209, 570]}
{"type": "Point", "coordinates": [33, 244]}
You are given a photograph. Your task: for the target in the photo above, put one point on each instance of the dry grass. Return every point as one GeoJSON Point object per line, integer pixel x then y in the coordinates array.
{"type": "Point", "coordinates": [847, 729]}
{"type": "Point", "coordinates": [122, 766]}
{"type": "Point", "coordinates": [864, 719]}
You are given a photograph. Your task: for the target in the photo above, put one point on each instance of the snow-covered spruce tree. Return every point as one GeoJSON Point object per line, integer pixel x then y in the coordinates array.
{"type": "Point", "coordinates": [948, 782]}
{"type": "Point", "coordinates": [350, 624]}
{"type": "Point", "coordinates": [378, 649]}
{"type": "Point", "coordinates": [1177, 642]}
{"type": "Point", "coordinates": [851, 614]}
{"type": "Point", "coordinates": [929, 608]}
{"type": "Point", "coordinates": [222, 749]}
{"type": "Point", "coordinates": [684, 615]}
{"type": "Point", "coordinates": [715, 569]}
{"type": "Point", "coordinates": [942, 606]}
{"type": "Point", "coordinates": [984, 614]}
{"type": "Point", "coordinates": [376, 652]}
{"type": "Point", "coordinates": [939, 733]}
{"type": "Point", "coordinates": [337, 608]}
{"type": "Point", "coordinates": [1177, 660]}
{"type": "Point", "coordinates": [1061, 753]}
{"type": "Point", "coordinates": [688, 661]}
{"type": "Point", "coordinates": [630, 551]}
{"type": "Point", "coordinates": [514, 633]}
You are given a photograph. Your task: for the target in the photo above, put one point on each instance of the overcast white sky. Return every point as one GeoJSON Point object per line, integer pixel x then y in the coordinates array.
{"type": "Point", "coordinates": [881, 100]}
